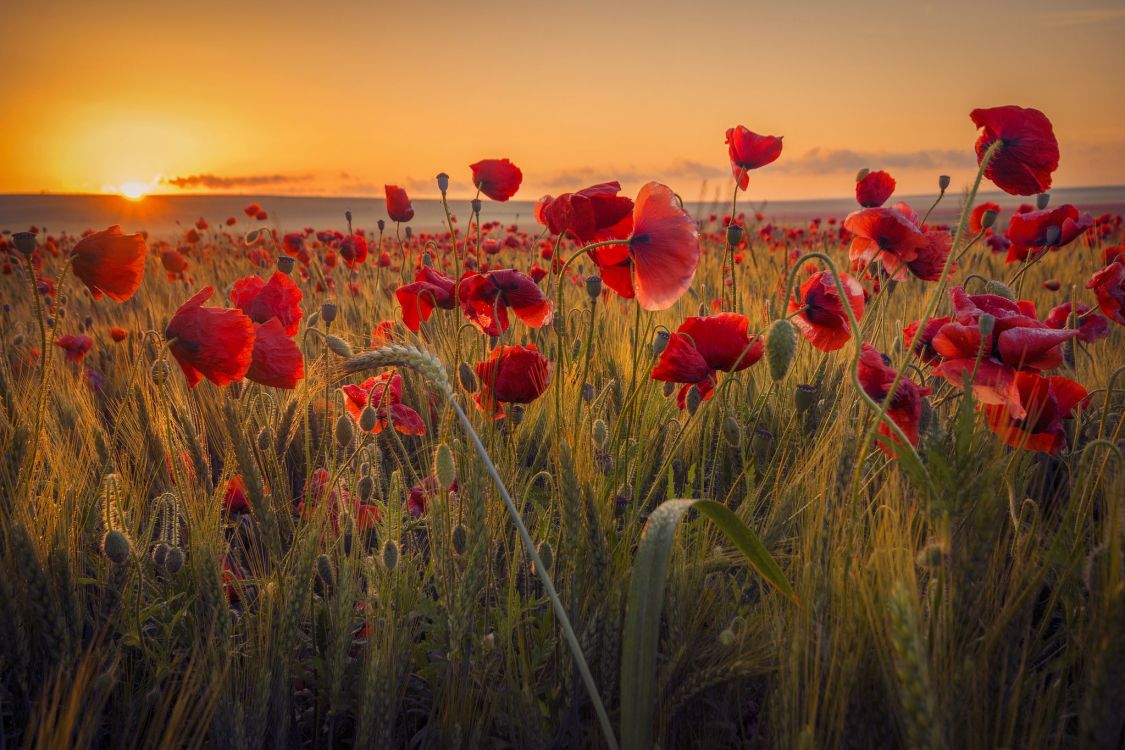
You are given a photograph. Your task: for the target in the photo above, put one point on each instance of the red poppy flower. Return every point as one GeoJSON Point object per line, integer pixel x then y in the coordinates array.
{"type": "Point", "coordinates": [384, 394]}
{"type": "Point", "coordinates": [317, 491]}
{"type": "Point", "coordinates": [398, 204]}
{"type": "Point", "coordinates": [75, 347]}
{"type": "Point", "coordinates": [353, 249]}
{"type": "Point", "coordinates": [702, 347]}
{"type": "Point", "coordinates": [1028, 153]}
{"type": "Point", "coordinates": [279, 298]}
{"type": "Point", "coordinates": [430, 289]}
{"type": "Point", "coordinates": [925, 346]}
{"type": "Point", "coordinates": [594, 214]}
{"type": "Point", "coordinates": [234, 497]}
{"type": "Point", "coordinates": [421, 493]}
{"type": "Point", "coordinates": [905, 410]}
{"type": "Point", "coordinates": [110, 263]}
{"type": "Point", "coordinates": [1018, 342]}
{"type": "Point", "coordinates": [511, 375]}
{"type": "Point", "coordinates": [118, 334]}
{"type": "Point", "coordinates": [664, 248]}
{"type": "Point", "coordinates": [276, 360]}
{"type": "Point", "coordinates": [485, 299]}
{"type": "Point", "coordinates": [888, 235]}
{"type": "Point", "coordinates": [748, 150]}
{"type": "Point", "coordinates": [499, 179]}
{"type": "Point", "coordinates": [212, 342]}
{"type": "Point", "coordinates": [1045, 403]}
{"type": "Point", "coordinates": [1036, 231]}
{"type": "Point", "coordinates": [977, 216]}
{"type": "Point", "coordinates": [174, 262]}
{"type": "Point", "coordinates": [824, 322]}
{"type": "Point", "coordinates": [293, 244]}
{"type": "Point", "coordinates": [1092, 328]}
{"type": "Point", "coordinates": [1109, 286]}
{"type": "Point", "coordinates": [874, 189]}
{"type": "Point", "coordinates": [252, 210]}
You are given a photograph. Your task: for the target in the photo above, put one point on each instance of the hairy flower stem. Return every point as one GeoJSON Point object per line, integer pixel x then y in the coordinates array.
{"type": "Point", "coordinates": [730, 248]}
{"type": "Point", "coordinates": [586, 359]}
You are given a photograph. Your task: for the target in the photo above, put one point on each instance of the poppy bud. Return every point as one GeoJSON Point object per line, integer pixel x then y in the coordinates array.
{"type": "Point", "coordinates": [999, 289]}
{"type": "Point", "coordinates": [381, 224]}
{"type": "Point", "coordinates": [587, 392]}
{"type": "Point", "coordinates": [115, 546]}
{"type": "Point", "coordinates": [732, 432]}
{"type": "Point", "coordinates": [781, 346]}
{"type": "Point", "coordinates": [985, 324]}
{"type": "Point", "coordinates": [476, 205]}
{"type": "Point", "coordinates": [546, 555]}
{"type": "Point", "coordinates": [1052, 285]}
{"type": "Point", "coordinates": [313, 319]}
{"type": "Point", "coordinates": [409, 232]}
{"type": "Point", "coordinates": [328, 312]}
{"type": "Point", "coordinates": [659, 342]}
{"type": "Point", "coordinates": [285, 264]}
{"type": "Point", "coordinates": [467, 378]}
{"type": "Point", "coordinates": [324, 570]}
{"type": "Point", "coordinates": [669, 389]}
{"type": "Point", "coordinates": [1052, 236]}
{"type": "Point", "coordinates": [593, 286]}
{"type": "Point", "coordinates": [444, 466]}
{"type": "Point", "coordinates": [943, 182]}
{"type": "Point", "coordinates": [515, 414]}
{"type": "Point", "coordinates": [427, 259]}
{"type": "Point", "coordinates": [338, 346]}
{"type": "Point", "coordinates": [344, 431]}
{"type": "Point", "coordinates": [25, 242]}
{"type": "Point", "coordinates": [265, 438]}
{"type": "Point", "coordinates": [987, 219]}
{"type": "Point", "coordinates": [366, 488]}
{"type": "Point", "coordinates": [804, 397]}
{"type": "Point", "coordinates": [726, 637]}
{"type": "Point", "coordinates": [930, 556]}
{"type": "Point", "coordinates": [734, 235]}
{"type": "Point", "coordinates": [173, 561]}
{"type": "Point", "coordinates": [1042, 200]}
{"type": "Point", "coordinates": [460, 539]}
{"type": "Point", "coordinates": [160, 554]}
{"type": "Point", "coordinates": [159, 372]}
{"type": "Point", "coordinates": [600, 433]}
{"type": "Point", "coordinates": [390, 555]}
{"type": "Point", "coordinates": [443, 182]}
{"type": "Point", "coordinates": [368, 418]}
{"type": "Point", "coordinates": [861, 174]}
{"type": "Point", "coordinates": [693, 399]}
{"type": "Point", "coordinates": [761, 442]}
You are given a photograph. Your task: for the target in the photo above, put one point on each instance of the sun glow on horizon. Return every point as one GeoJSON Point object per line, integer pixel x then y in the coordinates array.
{"type": "Point", "coordinates": [133, 190]}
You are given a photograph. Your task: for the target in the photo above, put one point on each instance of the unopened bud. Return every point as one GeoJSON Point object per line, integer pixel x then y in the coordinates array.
{"type": "Point", "coordinates": [467, 378]}
{"type": "Point", "coordinates": [761, 443]}
{"type": "Point", "coordinates": [368, 419]}
{"type": "Point", "coordinates": [600, 433]}
{"type": "Point", "coordinates": [804, 397]}
{"type": "Point", "coordinates": [476, 205]}
{"type": "Point", "coordinates": [732, 432]}
{"type": "Point", "coordinates": [861, 174]}
{"type": "Point", "coordinates": [659, 342]}
{"type": "Point", "coordinates": [1042, 200]}
{"type": "Point", "coordinates": [344, 431]}
{"type": "Point", "coordinates": [546, 554]}
{"type": "Point", "coordinates": [390, 555]}
{"type": "Point", "coordinates": [174, 560]}
{"type": "Point", "coordinates": [460, 539]}
{"type": "Point", "coordinates": [515, 414]}
{"type": "Point", "coordinates": [427, 259]}
{"type": "Point", "coordinates": [381, 224]}
{"type": "Point", "coordinates": [999, 289]}
{"type": "Point", "coordinates": [693, 399]}
{"type": "Point", "coordinates": [669, 389]}
{"type": "Point", "coordinates": [444, 466]}
{"type": "Point", "coordinates": [160, 554]}
{"type": "Point", "coordinates": [587, 392]}
{"type": "Point", "coordinates": [115, 546]}
{"type": "Point", "coordinates": [987, 219]}
{"type": "Point", "coordinates": [366, 488]}
{"type": "Point", "coordinates": [781, 347]}
{"type": "Point", "coordinates": [338, 346]}
{"type": "Point", "coordinates": [324, 570]}
{"type": "Point", "coordinates": [985, 324]}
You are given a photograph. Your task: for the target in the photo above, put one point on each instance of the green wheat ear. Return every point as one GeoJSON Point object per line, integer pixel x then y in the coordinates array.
{"type": "Point", "coordinates": [429, 367]}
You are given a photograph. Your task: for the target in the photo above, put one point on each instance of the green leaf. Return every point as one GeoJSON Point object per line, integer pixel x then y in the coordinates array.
{"type": "Point", "coordinates": [646, 601]}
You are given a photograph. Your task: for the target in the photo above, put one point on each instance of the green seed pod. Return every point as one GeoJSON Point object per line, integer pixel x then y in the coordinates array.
{"type": "Point", "coordinates": [943, 182]}
{"type": "Point", "coordinates": [115, 546]}
{"type": "Point", "coordinates": [366, 488]}
{"type": "Point", "coordinates": [174, 560]}
{"type": "Point", "coordinates": [987, 219]}
{"type": "Point", "coordinates": [160, 554]}
{"type": "Point", "coordinates": [368, 418]}
{"type": "Point", "coordinates": [467, 378]}
{"type": "Point", "coordinates": [1000, 289]}
{"type": "Point", "coordinates": [25, 242]}
{"type": "Point", "coordinates": [546, 554]}
{"type": "Point", "coordinates": [734, 235]}
{"type": "Point", "coordinates": [726, 637]}
{"type": "Point", "coordinates": [600, 433]}
{"type": "Point", "coordinates": [444, 467]}
{"type": "Point", "coordinates": [390, 555]}
{"type": "Point", "coordinates": [761, 443]}
{"type": "Point", "coordinates": [285, 264]}
{"type": "Point", "coordinates": [985, 324]}
{"type": "Point", "coordinates": [344, 431]}
{"type": "Point", "coordinates": [781, 347]}
{"type": "Point", "coordinates": [804, 397]}
{"type": "Point", "coordinates": [159, 372]}
{"type": "Point", "coordinates": [338, 346]}
{"type": "Point", "coordinates": [732, 432]}
{"type": "Point", "coordinates": [861, 174]}
{"type": "Point", "coordinates": [427, 259]}
{"type": "Point", "coordinates": [313, 319]}
{"type": "Point", "coordinates": [475, 205]}
{"type": "Point", "coordinates": [693, 400]}
{"type": "Point", "coordinates": [265, 438]}
{"type": "Point", "coordinates": [328, 312]}
{"type": "Point", "coordinates": [669, 389]}
{"type": "Point", "coordinates": [1042, 200]}
{"type": "Point", "coordinates": [324, 570]}
{"type": "Point", "coordinates": [593, 287]}
{"type": "Point", "coordinates": [460, 538]}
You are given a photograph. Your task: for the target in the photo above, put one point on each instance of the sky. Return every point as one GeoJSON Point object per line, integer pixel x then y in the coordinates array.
{"type": "Point", "coordinates": [340, 97]}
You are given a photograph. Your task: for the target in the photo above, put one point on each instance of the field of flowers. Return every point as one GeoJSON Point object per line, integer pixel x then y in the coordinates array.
{"type": "Point", "coordinates": [620, 477]}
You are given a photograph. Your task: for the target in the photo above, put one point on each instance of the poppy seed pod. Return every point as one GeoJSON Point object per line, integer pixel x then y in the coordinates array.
{"type": "Point", "coordinates": [285, 264]}
{"type": "Point", "coordinates": [381, 224]}
{"type": "Point", "coordinates": [324, 570]}
{"type": "Point", "coordinates": [804, 398]}
{"type": "Point", "coordinates": [986, 323]}
{"type": "Point", "coordinates": [265, 438]}
{"type": "Point", "coordinates": [761, 443]}
{"type": "Point", "coordinates": [409, 232]}
{"type": "Point", "coordinates": [348, 217]}
{"type": "Point", "coordinates": [444, 466]}
{"type": "Point", "coordinates": [781, 347]}
{"type": "Point", "coordinates": [368, 418]}
{"type": "Point", "coordinates": [460, 539]}
{"type": "Point", "coordinates": [427, 259]}
{"type": "Point", "coordinates": [1042, 200]}
{"type": "Point", "coordinates": [467, 378]}
{"type": "Point", "coordinates": [593, 286]}
{"type": "Point", "coordinates": [328, 312]}
{"type": "Point", "coordinates": [160, 554]}
{"type": "Point", "coordinates": [999, 289]}
{"type": "Point", "coordinates": [600, 433]}
{"type": "Point", "coordinates": [365, 488]}
{"type": "Point", "coordinates": [987, 219]}
{"type": "Point", "coordinates": [115, 546]}
{"type": "Point", "coordinates": [476, 205]}
{"type": "Point", "coordinates": [669, 389]}
{"type": "Point", "coordinates": [390, 555]}
{"type": "Point", "coordinates": [25, 242]}
{"type": "Point", "coordinates": [861, 174]}
{"type": "Point", "coordinates": [943, 182]}
{"type": "Point", "coordinates": [693, 399]}
{"type": "Point", "coordinates": [344, 431]}
{"type": "Point", "coordinates": [443, 182]}
{"type": "Point", "coordinates": [546, 555]}
{"type": "Point", "coordinates": [1051, 237]}
{"type": "Point", "coordinates": [660, 342]}
{"type": "Point", "coordinates": [732, 432]}
{"type": "Point", "coordinates": [338, 346]}
{"type": "Point", "coordinates": [734, 235]}
{"type": "Point", "coordinates": [173, 561]}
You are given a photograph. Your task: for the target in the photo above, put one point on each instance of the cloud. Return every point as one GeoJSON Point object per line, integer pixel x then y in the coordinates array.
{"type": "Point", "coordinates": [836, 161]}
{"type": "Point", "coordinates": [577, 178]}
{"type": "Point", "coordinates": [218, 182]}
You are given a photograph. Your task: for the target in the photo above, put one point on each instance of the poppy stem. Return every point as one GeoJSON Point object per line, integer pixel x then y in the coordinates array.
{"type": "Point", "coordinates": [729, 246]}
{"type": "Point", "coordinates": [932, 207]}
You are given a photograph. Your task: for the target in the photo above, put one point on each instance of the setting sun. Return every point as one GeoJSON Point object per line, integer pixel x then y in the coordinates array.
{"type": "Point", "coordinates": [134, 190]}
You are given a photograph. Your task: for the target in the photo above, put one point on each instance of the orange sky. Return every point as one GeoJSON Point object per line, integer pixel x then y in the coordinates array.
{"type": "Point", "coordinates": [340, 97]}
